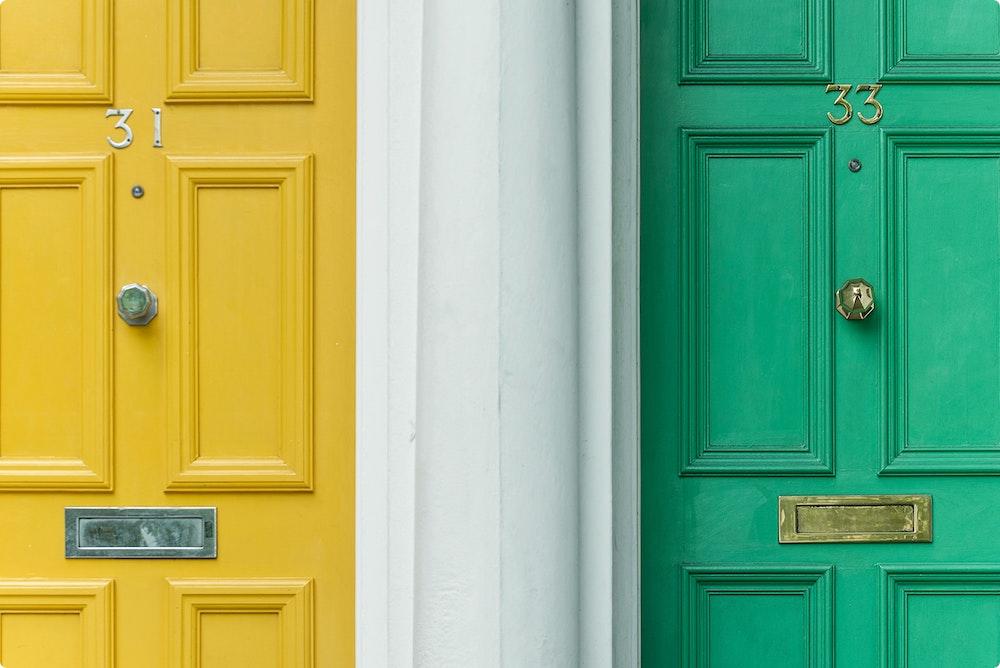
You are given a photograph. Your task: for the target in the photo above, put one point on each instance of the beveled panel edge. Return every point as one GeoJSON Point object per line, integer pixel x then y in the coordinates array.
{"type": "Point", "coordinates": [922, 518]}
{"type": "Point", "coordinates": [814, 582]}
{"type": "Point", "coordinates": [95, 472]}
{"type": "Point", "coordinates": [814, 65]}
{"type": "Point", "coordinates": [290, 598]}
{"type": "Point", "coordinates": [93, 599]}
{"type": "Point", "coordinates": [73, 88]}
{"type": "Point", "coordinates": [696, 458]}
{"type": "Point", "coordinates": [187, 470]}
{"type": "Point", "coordinates": [898, 144]}
{"type": "Point", "coordinates": [186, 84]}
{"type": "Point", "coordinates": [899, 582]}
{"type": "Point", "coordinates": [896, 65]}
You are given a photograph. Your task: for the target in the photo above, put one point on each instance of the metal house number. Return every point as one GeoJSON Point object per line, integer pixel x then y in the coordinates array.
{"type": "Point", "coordinates": [122, 124]}
{"type": "Point", "coordinates": [843, 90]}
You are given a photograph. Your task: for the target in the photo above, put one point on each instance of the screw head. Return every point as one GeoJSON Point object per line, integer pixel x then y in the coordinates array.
{"type": "Point", "coordinates": [138, 192]}
{"type": "Point", "coordinates": [854, 165]}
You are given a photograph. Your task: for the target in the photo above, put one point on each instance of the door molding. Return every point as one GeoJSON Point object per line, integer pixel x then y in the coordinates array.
{"type": "Point", "coordinates": [389, 38]}
{"type": "Point", "coordinates": [390, 50]}
{"type": "Point", "coordinates": [624, 398]}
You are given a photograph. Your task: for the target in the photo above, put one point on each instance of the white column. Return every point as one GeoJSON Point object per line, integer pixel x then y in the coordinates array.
{"type": "Point", "coordinates": [497, 499]}
{"type": "Point", "coordinates": [497, 358]}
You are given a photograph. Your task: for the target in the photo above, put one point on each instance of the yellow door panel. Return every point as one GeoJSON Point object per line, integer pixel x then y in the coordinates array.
{"type": "Point", "coordinates": [215, 55]}
{"type": "Point", "coordinates": [222, 623]}
{"type": "Point", "coordinates": [55, 323]}
{"type": "Point", "coordinates": [239, 394]}
{"type": "Point", "coordinates": [71, 63]}
{"type": "Point", "coordinates": [240, 260]}
{"type": "Point", "coordinates": [49, 623]}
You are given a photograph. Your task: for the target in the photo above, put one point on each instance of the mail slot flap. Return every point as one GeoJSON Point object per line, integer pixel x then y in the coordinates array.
{"type": "Point", "coordinates": [141, 533]}
{"type": "Point", "coordinates": [855, 519]}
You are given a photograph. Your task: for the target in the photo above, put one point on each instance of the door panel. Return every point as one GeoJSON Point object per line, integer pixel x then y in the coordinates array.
{"type": "Point", "coordinates": [785, 40]}
{"type": "Point", "coordinates": [755, 210]}
{"type": "Point", "coordinates": [55, 323]}
{"type": "Point", "coordinates": [942, 250]}
{"type": "Point", "coordinates": [214, 54]}
{"type": "Point", "coordinates": [75, 66]}
{"type": "Point", "coordinates": [239, 394]}
{"type": "Point", "coordinates": [930, 612]}
{"type": "Point", "coordinates": [946, 40]}
{"type": "Point", "coordinates": [742, 268]}
{"type": "Point", "coordinates": [242, 247]}
{"type": "Point", "coordinates": [219, 623]}
{"type": "Point", "coordinates": [57, 623]}
{"type": "Point", "coordinates": [778, 616]}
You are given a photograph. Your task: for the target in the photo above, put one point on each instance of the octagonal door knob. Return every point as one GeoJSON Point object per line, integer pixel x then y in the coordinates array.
{"type": "Point", "coordinates": [856, 299]}
{"type": "Point", "coordinates": [136, 304]}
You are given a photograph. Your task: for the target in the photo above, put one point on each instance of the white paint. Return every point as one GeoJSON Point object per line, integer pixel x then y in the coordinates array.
{"type": "Point", "coordinates": [625, 318]}
{"type": "Point", "coordinates": [486, 302]}
{"type": "Point", "coordinates": [497, 515]}
{"type": "Point", "coordinates": [594, 177]}
{"type": "Point", "coordinates": [389, 65]}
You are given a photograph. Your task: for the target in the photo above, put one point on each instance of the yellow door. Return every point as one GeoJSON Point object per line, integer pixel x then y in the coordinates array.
{"type": "Point", "coordinates": [238, 396]}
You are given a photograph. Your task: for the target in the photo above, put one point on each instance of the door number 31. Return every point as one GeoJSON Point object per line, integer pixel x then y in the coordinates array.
{"type": "Point", "coordinates": [122, 124]}
{"type": "Point", "coordinates": [844, 89]}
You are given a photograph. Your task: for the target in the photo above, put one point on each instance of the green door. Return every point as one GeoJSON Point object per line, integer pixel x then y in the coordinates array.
{"type": "Point", "coordinates": [756, 208]}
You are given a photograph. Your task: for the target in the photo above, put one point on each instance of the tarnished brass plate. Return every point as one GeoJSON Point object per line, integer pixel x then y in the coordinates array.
{"type": "Point", "coordinates": [854, 519]}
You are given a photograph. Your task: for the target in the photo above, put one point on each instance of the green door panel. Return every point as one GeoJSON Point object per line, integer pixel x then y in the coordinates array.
{"type": "Point", "coordinates": [754, 388]}
{"type": "Point", "coordinates": [751, 285]}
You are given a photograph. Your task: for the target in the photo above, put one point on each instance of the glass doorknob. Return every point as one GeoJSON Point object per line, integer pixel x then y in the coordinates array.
{"type": "Point", "coordinates": [136, 304]}
{"type": "Point", "coordinates": [856, 299]}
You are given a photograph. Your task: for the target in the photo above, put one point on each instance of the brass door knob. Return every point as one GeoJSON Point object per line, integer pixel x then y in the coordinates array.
{"type": "Point", "coordinates": [856, 299]}
{"type": "Point", "coordinates": [136, 304]}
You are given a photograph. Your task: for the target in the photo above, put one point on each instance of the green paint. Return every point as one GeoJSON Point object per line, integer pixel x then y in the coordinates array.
{"type": "Point", "coordinates": [941, 40]}
{"type": "Point", "coordinates": [753, 387]}
{"type": "Point", "coordinates": [768, 605]}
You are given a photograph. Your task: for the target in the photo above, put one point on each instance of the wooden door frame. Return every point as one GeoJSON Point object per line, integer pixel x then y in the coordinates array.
{"type": "Point", "coordinates": [390, 45]}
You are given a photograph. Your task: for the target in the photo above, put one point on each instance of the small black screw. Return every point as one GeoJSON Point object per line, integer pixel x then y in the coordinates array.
{"type": "Point", "coordinates": [138, 192]}
{"type": "Point", "coordinates": [854, 165]}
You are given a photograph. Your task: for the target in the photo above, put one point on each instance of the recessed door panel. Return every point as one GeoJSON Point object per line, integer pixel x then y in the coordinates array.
{"type": "Point", "coordinates": [756, 347]}
{"type": "Point", "coordinates": [75, 65]}
{"type": "Point", "coordinates": [255, 622]}
{"type": "Point", "coordinates": [240, 246]}
{"type": "Point", "coordinates": [763, 616]}
{"type": "Point", "coordinates": [216, 53]}
{"type": "Point", "coordinates": [47, 623]}
{"type": "Point", "coordinates": [941, 40]}
{"type": "Point", "coordinates": [931, 610]}
{"type": "Point", "coordinates": [741, 41]}
{"type": "Point", "coordinates": [942, 242]}
{"type": "Point", "coordinates": [55, 327]}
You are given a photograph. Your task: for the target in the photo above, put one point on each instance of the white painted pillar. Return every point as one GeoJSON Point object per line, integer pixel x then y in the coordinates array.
{"type": "Point", "coordinates": [496, 546]}
{"type": "Point", "coordinates": [497, 350]}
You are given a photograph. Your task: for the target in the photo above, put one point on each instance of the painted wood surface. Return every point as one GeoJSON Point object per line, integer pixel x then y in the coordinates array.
{"type": "Point", "coordinates": [754, 388]}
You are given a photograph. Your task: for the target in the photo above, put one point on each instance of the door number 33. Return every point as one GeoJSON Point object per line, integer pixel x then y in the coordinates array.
{"type": "Point", "coordinates": [844, 89]}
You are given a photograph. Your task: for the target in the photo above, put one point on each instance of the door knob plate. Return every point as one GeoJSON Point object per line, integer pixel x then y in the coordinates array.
{"type": "Point", "coordinates": [855, 299]}
{"type": "Point", "coordinates": [137, 304]}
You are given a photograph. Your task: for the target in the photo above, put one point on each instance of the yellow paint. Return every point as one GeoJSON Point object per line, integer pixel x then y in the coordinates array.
{"type": "Point", "coordinates": [76, 64]}
{"type": "Point", "coordinates": [214, 54]}
{"type": "Point", "coordinates": [240, 393]}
